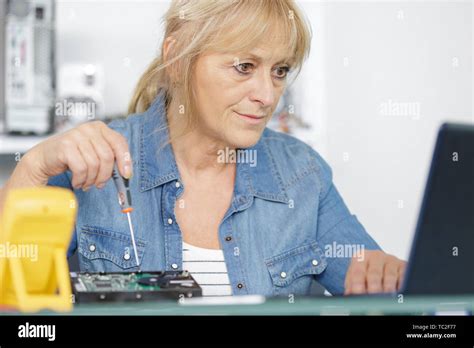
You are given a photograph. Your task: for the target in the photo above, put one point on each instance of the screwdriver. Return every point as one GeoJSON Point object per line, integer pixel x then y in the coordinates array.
{"type": "Point", "coordinates": [125, 201]}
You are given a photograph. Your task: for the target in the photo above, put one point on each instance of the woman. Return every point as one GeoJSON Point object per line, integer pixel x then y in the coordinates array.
{"type": "Point", "coordinates": [269, 226]}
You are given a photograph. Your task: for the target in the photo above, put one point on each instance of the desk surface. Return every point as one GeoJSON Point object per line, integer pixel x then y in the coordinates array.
{"type": "Point", "coordinates": [411, 305]}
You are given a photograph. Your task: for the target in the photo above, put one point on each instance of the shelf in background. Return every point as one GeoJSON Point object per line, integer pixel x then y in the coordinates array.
{"type": "Point", "coordinates": [11, 144]}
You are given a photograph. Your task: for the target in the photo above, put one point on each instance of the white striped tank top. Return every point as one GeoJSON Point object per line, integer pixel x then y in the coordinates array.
{"type": "Point", "coordinates": [208, 268]}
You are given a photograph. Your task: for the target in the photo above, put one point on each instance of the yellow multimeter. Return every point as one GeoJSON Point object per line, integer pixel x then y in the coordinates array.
{"type": "Point", "coordinates": [35, 232]}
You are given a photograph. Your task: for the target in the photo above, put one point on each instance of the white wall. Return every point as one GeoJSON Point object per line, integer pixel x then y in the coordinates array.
{"type": "Point", "coordinates": [311, 86]}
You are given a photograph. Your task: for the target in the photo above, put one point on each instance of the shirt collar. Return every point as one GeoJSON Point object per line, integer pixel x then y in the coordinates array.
{"type": "Point", "coordinates": [158, 164]}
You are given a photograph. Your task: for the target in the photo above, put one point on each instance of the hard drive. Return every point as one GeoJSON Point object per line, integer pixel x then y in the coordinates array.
{"type": "Point", "coordinates": [138, 286]}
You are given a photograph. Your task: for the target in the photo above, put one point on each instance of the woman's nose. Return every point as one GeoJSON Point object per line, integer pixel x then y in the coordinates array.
{"type": "Point", "coordinates": [264, 90]}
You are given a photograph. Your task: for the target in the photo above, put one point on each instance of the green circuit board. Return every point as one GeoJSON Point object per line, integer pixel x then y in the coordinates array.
{"type": "Point", "coordinates": [133, 286]}
{"type": "Point", "coordinates": [115, 282]}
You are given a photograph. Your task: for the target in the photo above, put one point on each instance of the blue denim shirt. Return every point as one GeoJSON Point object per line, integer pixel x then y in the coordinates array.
{"type": "Point", "coordinates": [286, 225]}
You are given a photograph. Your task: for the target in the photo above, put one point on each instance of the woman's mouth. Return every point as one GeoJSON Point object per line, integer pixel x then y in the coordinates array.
{"type": "Point", "coordinates": [252, 119]}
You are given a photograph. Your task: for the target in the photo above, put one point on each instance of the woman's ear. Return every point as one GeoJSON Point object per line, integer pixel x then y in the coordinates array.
{"type": "Point", "coordinates": [167, 47]}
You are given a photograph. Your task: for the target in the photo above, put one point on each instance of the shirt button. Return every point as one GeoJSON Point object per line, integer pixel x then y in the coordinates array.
{"type": "Point", "coordinates": [228, 238]}
{"type": "Point", "coordinates": [240, 285]}
{"type": "Point", "coordinates": [314, 262]}
{"type": "Point", "coordinates": [177, 184]}
{"type": "Point", "coordinates": [92, 247]}
{"type": "Point", "coordinates": [170, 221]}
{"type": "Point", "coordinates": [283, 274]}
{"type": "Point", "coordinates": [174, 266]}
{"type": "Point", "coordinates": [126, 257]}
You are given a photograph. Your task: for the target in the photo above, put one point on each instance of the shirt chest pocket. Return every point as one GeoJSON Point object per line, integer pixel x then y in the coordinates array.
{"type": "Point", "coordinates": [293, 271]}
{"type": "Point", "coordinates": [103, 250]}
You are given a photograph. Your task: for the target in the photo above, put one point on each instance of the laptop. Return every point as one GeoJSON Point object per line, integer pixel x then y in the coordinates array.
{"type": "Point", "coordinates": [441, 260]}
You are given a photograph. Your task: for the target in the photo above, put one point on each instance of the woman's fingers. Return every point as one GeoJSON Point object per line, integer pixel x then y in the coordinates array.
{"type": "Point", "coordinates": [89, 151]}
{"type": "Point", "coordinates": [77, 165]}
{"type": "Point", "coordinates": [119, 145]}
{"type": "Point", "coordinates": [401, 274]}
{"type": "Point", "coordinates": [390, 277]}
{"type": "Point", "coordinates": [355, 279]}
{"type": "Point", "coordinates": [101, 147]}
{"type": "Point", "coordinates": [106, 157]}
{"type": "Point", "coordinates": [92, 161]}
{"type": "Point", "coordinates": [377, 272]}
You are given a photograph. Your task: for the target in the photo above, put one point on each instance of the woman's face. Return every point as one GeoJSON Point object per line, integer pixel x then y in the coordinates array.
{"type": "Point", "coordinates": [229, 86]}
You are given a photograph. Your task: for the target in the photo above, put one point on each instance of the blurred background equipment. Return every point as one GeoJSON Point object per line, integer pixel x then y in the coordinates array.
{"type": "Point", "coordinates": [29, 66]}
{"type": "Point", "coordinates": [285, 119]}
{"type": "Point", "coordinates": [80, 95]}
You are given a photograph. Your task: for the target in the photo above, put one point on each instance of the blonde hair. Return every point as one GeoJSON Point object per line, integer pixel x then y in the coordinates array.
{"type": "Point", "coordinates": [200, 26]}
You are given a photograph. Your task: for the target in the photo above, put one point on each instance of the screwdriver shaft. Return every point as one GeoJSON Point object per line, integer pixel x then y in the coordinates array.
{"type": "Point", "coordinates": [132, 234]}
{"type": "Point", "coordinates": [125, 201]}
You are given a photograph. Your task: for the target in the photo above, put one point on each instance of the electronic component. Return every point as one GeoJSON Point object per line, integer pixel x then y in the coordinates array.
{"type": "Point", "coordinates": [140, 286]}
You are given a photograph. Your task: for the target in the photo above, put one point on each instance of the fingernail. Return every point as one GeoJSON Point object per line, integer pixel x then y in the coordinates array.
{"type": "Point", "coordinates": [128, 171]}
{"type": "Point", "coordinates": [101, 185]}
{"type": "Point", "coordinates": [85, 189]}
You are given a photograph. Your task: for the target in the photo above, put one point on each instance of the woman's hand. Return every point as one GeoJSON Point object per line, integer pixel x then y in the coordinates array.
{"type": "Point", "coordinates": [375, 272]}
{"type": "Point", "coordinates": [88, 151]}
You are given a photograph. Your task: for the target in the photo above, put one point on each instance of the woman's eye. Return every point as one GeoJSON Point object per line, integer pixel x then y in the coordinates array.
{"type": "Point", "coordinates": [281, 72]}
{"type": "Point", "coordinates": [246, 68]}
{"type": "Point", "coordinates": [243, 68]}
